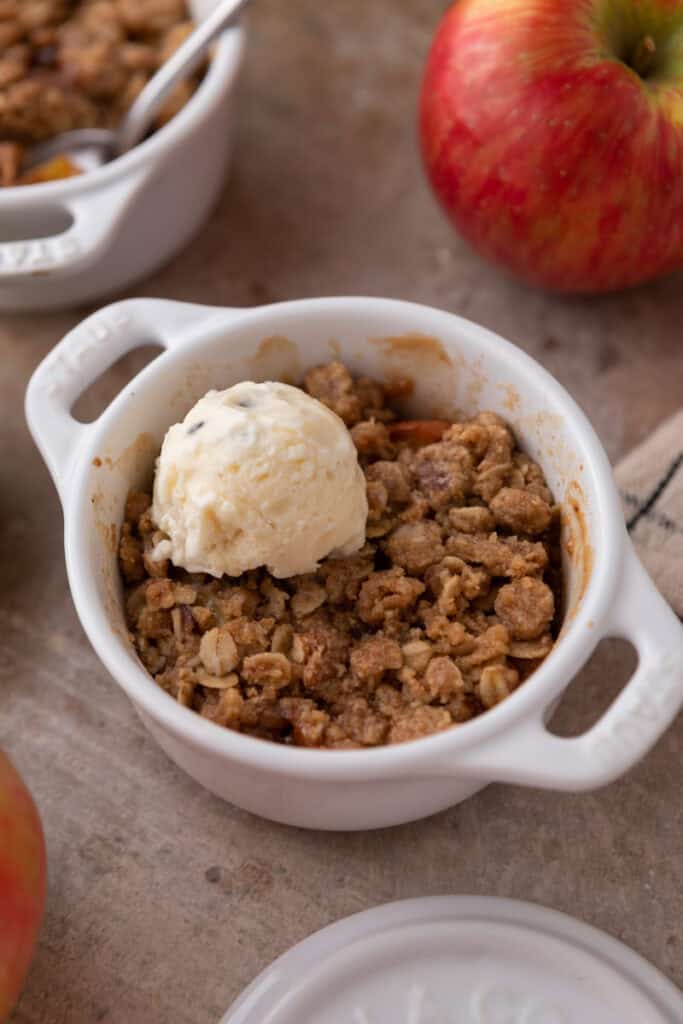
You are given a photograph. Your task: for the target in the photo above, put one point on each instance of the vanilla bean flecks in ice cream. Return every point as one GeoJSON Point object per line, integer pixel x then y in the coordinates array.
{"type": "Point", "coordinates": [258, 475]}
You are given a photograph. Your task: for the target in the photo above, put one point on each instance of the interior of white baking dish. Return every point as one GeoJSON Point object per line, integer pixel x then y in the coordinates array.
{"type": "Point", "coordinates": [451, 374]}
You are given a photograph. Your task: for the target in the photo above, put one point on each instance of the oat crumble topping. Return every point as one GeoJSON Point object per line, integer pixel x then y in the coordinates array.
{"type": "Point", "coordinates": [450, 605]}
{"type": "Point", "coordinates": [68, 64]}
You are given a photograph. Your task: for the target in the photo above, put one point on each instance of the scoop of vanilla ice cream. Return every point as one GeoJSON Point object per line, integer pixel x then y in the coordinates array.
{"type": "Point", "coordinates": [259, 474]}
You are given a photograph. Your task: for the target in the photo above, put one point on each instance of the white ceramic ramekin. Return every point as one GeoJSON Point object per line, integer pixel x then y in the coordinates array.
{"type": "Point", "coordinates": [68, 242]}
{"type": "Point", "coordinates": [456, 365]}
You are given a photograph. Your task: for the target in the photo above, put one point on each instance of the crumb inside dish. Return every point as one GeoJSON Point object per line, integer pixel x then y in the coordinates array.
{"type": "Point", "coordinates": [450, 605]}
{"type": "Point", "coordinates": [67, 64]}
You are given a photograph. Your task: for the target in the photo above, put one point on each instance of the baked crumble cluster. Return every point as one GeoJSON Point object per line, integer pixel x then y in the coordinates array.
{"type": "Point", "coordinates": [67, 64]}
{"type": "Point", "coordinates": [450, 605]}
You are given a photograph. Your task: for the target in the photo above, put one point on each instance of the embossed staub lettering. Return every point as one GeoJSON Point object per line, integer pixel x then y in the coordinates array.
{"type": "Point", "coordinates": [419, 1009]}
{"type": "Point", "coordinates": [497, 1005]}
{"type": "Point", "coordinates": [40, 254]}
{"type": "Point", "coordinates": [65, 366]}
{"type": "Point", "coordinates": [488, 1004]}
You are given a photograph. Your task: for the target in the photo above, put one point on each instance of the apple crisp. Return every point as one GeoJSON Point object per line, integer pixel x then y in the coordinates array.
{"type": "Point", "coordinates": [450, 605]}
{"type": "Point", "coordinates": [68, 64]}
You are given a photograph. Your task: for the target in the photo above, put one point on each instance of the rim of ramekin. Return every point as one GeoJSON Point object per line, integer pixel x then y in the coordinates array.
{"type": "Point", "coordinates": [573, 648]}
{"type": "Point", "coordinates": [219, 78]}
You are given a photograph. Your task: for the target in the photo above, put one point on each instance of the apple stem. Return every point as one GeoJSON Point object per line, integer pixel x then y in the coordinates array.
{"type": "Point", "coordinates": [643, 57]}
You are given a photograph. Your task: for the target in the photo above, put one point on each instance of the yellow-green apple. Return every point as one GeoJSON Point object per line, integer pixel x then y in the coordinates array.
{"type": "Point", "coordinates": [552, 132]}
{"type": "Point", "coordinates": [22, 883]}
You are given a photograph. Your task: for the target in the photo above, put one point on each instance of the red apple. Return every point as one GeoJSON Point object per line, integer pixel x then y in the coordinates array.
{"type": "Point", "coordinates": [552, 132]}
{"type": "Point", "coordinates": [22, 883]}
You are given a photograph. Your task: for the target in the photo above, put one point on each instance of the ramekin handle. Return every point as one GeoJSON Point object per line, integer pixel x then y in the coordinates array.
{"type": "Point", "coordinates": [86, 353]}
{"type": "Point", "coordinates": [95, 219]}
{"type": "Point", "coordinates": [648, 703]}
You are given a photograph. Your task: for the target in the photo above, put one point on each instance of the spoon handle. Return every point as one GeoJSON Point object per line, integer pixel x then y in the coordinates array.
{"type": "Point", "coordinates": [182, 63]}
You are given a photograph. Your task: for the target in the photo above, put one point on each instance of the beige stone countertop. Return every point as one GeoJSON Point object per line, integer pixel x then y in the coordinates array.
{"type": "Point", "coordinates": [165, 902]}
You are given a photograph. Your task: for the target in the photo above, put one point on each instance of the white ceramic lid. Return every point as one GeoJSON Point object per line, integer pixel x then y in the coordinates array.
{"type": "Point", "coordinates": [459, 960]}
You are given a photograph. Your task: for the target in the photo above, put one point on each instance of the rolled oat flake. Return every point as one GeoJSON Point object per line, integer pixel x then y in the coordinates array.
{"type": "Point", "coordinates": [459, 960]}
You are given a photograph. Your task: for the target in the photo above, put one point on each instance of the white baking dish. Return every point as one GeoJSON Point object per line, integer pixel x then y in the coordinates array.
{"type": "Point", "coordinates": [456, 365]}
{"type": "Point", "coordinates": [68, 242]}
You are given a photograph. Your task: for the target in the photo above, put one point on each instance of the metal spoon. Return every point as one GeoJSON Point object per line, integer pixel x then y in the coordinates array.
{"type": "Point", "coordinates": [99, 145]}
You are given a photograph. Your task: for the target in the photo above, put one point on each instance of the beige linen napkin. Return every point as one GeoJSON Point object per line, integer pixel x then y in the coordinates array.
{"type": "Point", "coordinates": [650, 480]}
